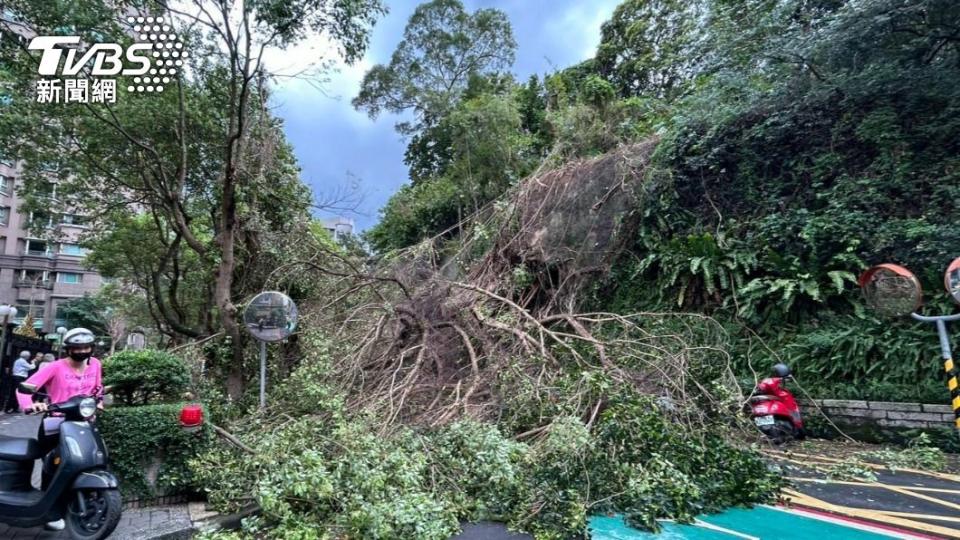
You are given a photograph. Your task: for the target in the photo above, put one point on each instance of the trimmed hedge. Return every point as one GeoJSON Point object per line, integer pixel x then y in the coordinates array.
{"type": "Point", "coordinates": [150, 437]}
{"type": "Point", "coordinates": [147, 376]}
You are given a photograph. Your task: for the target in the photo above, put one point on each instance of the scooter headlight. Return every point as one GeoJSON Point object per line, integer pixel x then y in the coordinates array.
{"type": "Point", "coordinates": [88, 407]}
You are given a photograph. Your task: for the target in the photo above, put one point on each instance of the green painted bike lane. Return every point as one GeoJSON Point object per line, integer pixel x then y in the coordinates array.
{"type": "Point", "coordinates": [754, 523]}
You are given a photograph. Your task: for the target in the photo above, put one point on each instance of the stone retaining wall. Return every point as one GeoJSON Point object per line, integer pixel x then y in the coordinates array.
{"type": "Point", "coordinates": [885, 413]}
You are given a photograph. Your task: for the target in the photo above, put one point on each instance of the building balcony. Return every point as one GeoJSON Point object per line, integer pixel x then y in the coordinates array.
{"type": "Point", "coordinates": [33, 283]}
{"type": "Point", "coordinates": [38, 253]}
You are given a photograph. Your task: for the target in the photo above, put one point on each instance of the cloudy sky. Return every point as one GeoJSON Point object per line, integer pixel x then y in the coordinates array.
{"type": "Point", "coordinates": [339, 147]}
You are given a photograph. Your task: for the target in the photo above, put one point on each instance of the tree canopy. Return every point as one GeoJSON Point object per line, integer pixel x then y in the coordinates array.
{"type": "Point", "coordinates": [443, 46]}
{"type": "Point", "coordinates": [188, 180]}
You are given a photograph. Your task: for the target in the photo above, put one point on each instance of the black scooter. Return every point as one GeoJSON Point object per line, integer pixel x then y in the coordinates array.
{"type": "Point", "coordinates": [76, 486]}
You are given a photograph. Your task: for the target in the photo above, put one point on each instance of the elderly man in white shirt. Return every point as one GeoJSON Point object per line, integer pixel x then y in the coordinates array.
{"type": "Point", "coordinates": [21, 370]}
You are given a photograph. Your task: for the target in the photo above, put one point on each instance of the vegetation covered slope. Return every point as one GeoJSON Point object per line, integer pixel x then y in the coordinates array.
{"type": "Point", "coordinates": [802, 142]}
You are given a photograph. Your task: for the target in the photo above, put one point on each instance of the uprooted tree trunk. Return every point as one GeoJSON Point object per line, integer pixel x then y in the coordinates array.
{"type": "Point", "coordinates": [459, 331]}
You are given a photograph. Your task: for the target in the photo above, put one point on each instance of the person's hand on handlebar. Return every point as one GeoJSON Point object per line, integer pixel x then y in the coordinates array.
{"type": "Point", "coordinates": [36, 408]}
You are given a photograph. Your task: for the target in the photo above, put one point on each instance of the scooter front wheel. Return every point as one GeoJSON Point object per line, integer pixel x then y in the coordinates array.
{"type": "Point", "coordinates": [96, 516]}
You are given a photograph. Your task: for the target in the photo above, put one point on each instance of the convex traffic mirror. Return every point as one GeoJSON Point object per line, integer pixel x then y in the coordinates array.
{"type": "Point", "coordinates": [270, 316]}
{"type": "Point", "coordinates": [891, 290]}
{"type": "Point", "coordinates": [951, 280]}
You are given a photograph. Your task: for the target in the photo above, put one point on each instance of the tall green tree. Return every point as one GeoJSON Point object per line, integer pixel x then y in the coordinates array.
{"type": "Point", "coordinates": [443, 46]}
{"type": "Point", "coordinates": [203, 159]}
{"type": "Point", "coordinates": [647, 47]}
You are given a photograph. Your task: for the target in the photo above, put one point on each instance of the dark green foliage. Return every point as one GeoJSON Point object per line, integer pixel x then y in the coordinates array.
{"type": "Point", "coordinates": [790, 176]}
{"type": "Point", "coordinates": [86, 312]}
{"type": "Point", "coordinates": [532, 100]}
{"type": "Point", "coordinates": [348, 22]}
{"type": "Point", "coordinates": [324, 468]}
{"type": "Point", "coordinates": [142, 437]}
{"type": "Point", "coordinates": [640, 461]}
{"type": "Point", "coordinates": [147, 376]}
{"type": "Point", "coordinates": [416, 212]}
{"type": "Point", "coordinates": [472, 156]}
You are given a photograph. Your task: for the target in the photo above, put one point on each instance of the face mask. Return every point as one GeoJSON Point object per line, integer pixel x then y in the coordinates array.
{"type": "Point", "coordinates": [77, 356]}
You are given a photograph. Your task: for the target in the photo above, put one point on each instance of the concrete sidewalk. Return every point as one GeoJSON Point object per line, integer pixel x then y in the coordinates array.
{"type": "Point", "coordinates": [150, 523]}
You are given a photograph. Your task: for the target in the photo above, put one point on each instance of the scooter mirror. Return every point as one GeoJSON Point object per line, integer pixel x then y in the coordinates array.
{"type": "Point", "coordinates": [951, 280]}
{"type": "Point", "coordinates": [28, 389]}
{"type": "Point", "coordinates": [891, 290]}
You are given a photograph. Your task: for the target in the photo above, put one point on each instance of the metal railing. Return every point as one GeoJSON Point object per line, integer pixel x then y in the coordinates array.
{"type": "Point", "coordinates": [27, 283]}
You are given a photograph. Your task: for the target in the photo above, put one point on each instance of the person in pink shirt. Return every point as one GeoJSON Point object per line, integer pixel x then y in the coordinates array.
{"type": "Point", "coordinates": [76, 374]}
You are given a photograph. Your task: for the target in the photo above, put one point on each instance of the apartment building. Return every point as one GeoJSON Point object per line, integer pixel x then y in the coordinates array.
{"type": "Point", "coordinates": [338, 226]}
{"type": "Point", "coordinates": [38, 275]}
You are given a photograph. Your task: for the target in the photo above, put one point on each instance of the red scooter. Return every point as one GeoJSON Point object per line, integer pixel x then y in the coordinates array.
{"type": "Point", "coordinates": [774, 409]}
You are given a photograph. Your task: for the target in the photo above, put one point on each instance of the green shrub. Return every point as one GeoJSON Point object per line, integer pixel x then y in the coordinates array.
{"type": "Point", "coordinates": [479, 468]}
{"type": "Point", "coordinates": [136, 437]}
{"type": "Point", "coordinates": [142, 377]}
{"type": "Point", "coordinates": [310, 475]}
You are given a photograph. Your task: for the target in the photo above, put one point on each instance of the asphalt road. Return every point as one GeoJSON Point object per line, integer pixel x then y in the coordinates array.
{"type": "Point", "coordinates": [925, 502]}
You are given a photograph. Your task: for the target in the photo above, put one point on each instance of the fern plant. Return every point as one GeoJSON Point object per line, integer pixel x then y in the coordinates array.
{"type": "Point", "coordinates": [698, 270]}
{"type": "Point", "coordinates": [787, 280]}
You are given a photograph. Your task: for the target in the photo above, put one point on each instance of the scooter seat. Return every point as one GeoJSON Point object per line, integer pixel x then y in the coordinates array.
{"type": "Point", "coordinates": [18, 449]}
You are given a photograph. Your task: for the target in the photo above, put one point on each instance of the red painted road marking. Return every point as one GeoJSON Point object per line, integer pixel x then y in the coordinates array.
{"type": "Point", "coordinates": [856, 522]}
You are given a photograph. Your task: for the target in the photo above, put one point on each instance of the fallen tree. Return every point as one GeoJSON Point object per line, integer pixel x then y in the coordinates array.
{"type": "Point", "coordinates": [459, 379]}
{"type": "Point", "coordinates": [455, 324]}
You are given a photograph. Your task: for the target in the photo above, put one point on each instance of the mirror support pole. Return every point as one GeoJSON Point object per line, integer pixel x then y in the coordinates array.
{"type": "Point", "coordinates": [948, 365]}
{"type": "Point", "coordinates": [263, 374]}
{"type": "Point", "coordinates": [944, 340]}
{"type": "Point", "coordinates": [951, 371]}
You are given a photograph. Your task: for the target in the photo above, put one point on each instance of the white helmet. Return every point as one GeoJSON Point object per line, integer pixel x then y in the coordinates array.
{"type": "Point", "coordinates": [78, 337]}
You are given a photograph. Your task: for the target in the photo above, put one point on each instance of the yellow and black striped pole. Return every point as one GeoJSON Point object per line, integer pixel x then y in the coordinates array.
{"type": "Point", "coordinates": [954, 390]}
{"type": "Point", "coordinates": [948, 364]}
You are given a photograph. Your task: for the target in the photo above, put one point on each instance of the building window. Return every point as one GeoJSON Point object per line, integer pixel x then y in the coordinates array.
{"type": "Point", "coordinates": [69, 277]}
{"type": "Point", "coordinates": [32, 275]}
{"type": "Point", "coordinates": [6, 185]}
{"type": "Point", "coordinates": [47, 188]}
{"type": "Point", "coordinates": [4, 216]}
{"type": "Point", "coordinates": [36, 247]}
{"type": "Point", "coordinates": [52, 165]}
{"type": "Point", "coordinates": [73, 219]}
{"type": "Point", "coordinates": [72, 249]}
{"type": "Point", "coordinates": [24, 307]}
{"type": "Point", "coordinates": [39, 219]}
